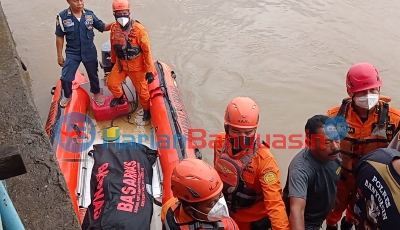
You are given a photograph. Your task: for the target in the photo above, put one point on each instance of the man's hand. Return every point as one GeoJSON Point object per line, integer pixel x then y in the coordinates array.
{"type": "Point", "coordinates": [60, 61]}
{"type": "Point", "coordinates": [107, 26]}
{"type": "Point", "coordinates": [59, 46]}
{"type": "Point", "coordinates": [149, 77]}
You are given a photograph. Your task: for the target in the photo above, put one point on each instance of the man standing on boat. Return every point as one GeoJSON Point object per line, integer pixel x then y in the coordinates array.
{"type": "Point", "coordinates": [248, 170]}
{"type": "Point", "coordinates": [76, 23]}
{"type": "Point", "coordinates": [130, 48]}
{"type": "Point", "coordinates": [198, 202]}
{"type": "Point", "coordinates": [372, 125]}
{"type": "Point", "coordinates": [311, 184]}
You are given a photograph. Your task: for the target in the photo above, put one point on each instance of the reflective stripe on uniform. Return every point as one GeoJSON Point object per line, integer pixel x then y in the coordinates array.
{"type": "Point", "coordinates": [60, 22]}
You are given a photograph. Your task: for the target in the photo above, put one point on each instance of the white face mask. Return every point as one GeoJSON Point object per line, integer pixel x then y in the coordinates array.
{"type": "Point", "coordinates": [368, 101]}
{"type": "Point", "coordinates": [218, 212]}
{"type": "Point", "coordinates": [122, 21]}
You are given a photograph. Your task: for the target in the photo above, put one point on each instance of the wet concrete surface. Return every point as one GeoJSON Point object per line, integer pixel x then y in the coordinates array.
{"type": "Point", "coordinates": [40, 196]}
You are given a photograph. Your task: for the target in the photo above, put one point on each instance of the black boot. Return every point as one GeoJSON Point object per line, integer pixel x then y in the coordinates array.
{"type": "Point", "coordinates": [332, 227]}
{"type": "Point", "coordinates": [116, 101]}
{"type": "Point", "coordinates": [344, 225]}
{"type": "Point", "coordinates": [146, 115]}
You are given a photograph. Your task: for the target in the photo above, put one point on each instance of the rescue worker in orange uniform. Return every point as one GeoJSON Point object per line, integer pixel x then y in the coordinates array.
{"type": "Point", "coordinates": [198, 202]}
{"type": "Point", "coordinates": [371, 125]}
{"type": "Point", "coordinates": [130, 48]}
{"type": "Point", "coordinates": [248, 170]}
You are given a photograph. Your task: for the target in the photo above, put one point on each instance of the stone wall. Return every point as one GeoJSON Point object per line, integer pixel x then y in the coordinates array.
{"type": "Point", "coordinates": [40, 196]}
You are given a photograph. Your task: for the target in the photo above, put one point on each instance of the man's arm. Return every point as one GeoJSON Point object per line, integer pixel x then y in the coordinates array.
{"type": "Point", "coordinates": [100, 25]}
{"type": "Point", "coordinates": [59, 45]}
{"type": "Point", "coordinates": [232, 225]}
{"type": "Point", "coordinates": [113, 55]}
{"type": "Point", "coordinates": [144, 44]}
{"type": "Point", "coordinates": [296, 218]}
{"type": "Point", "coordinates": [272, 191]}
{"type": "Point", "coordinates": [59, 41]}
{"type": "Point", "coordinates": [166, 206]}
{"type": "Point", "coordinates": [107, 26]}
{"type": "Point", "coordinates": [298, 184]}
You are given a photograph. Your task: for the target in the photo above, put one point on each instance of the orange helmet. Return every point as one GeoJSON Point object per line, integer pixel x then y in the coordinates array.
{"type": "Point", "coordinates": [242, 112]}
{"type": "Point", "coordinates": [194, 180]}
{"type": "Point", "coordinates": [120, 5]}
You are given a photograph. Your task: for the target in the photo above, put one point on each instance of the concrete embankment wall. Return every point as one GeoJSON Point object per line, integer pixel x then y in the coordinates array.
{"type": "Point", "coordinates": [40, 196]}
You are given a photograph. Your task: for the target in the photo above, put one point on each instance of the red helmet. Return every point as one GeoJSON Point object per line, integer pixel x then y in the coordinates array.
{"type": "Point", "coordinates": [362, 76]}
{"type": "Point", "coordinates": [120, 5]}
{"type": "Point", "coordinates": [242, 112]}
{"type": "Point", "coordinates": [194, 180]}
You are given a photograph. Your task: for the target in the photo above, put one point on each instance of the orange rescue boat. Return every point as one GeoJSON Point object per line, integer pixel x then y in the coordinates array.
{"type": "Point", "coordinates": [75, 129]}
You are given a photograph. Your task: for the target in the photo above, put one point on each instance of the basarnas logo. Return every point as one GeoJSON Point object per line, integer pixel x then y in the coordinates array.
{"type": "Point", "coordinates": [75, 132]}
{"type": "Point", "coordinates": [336, 128]}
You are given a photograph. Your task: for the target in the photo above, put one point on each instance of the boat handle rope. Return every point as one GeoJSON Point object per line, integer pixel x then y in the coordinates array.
{"type": "Point", "coordinates": [173, 112]}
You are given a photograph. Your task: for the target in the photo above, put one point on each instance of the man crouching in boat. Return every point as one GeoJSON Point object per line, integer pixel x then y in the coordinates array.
{"type": "Point", "coordinates": [198, 202]}
{"type": "Point", "coordinates": [249, 170]}
{"type": "Point", "coordinates": [130, 47]}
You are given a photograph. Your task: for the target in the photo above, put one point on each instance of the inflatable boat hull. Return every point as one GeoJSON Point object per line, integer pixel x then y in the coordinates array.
{"type": "Point", "coordinates": [169, 119]}
{"type": "Point", "coordinates": [171, 124]}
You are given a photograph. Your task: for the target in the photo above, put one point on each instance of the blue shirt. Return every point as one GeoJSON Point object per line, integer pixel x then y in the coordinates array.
{"type": "Point", "coordinates": [378, 194]}
{"type": "Point", "coordinates": [79, 34]}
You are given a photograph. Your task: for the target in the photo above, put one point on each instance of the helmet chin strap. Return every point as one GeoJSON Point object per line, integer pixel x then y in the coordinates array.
{"type": "Point", "coordinates": [226, 128]}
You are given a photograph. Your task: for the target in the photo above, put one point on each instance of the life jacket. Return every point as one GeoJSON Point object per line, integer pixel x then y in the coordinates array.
{"type": "Point", "coordinates": [236, 193]}
{"type": "Point", "coordinates": [124, 42]}
{"type": "Point", "coordinates": [170, 224]}
{"type": "Point", "coordinates": [353, 148]}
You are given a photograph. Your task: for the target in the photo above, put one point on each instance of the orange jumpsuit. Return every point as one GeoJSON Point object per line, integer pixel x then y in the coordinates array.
{"type": "Point", "coordinates": [136, 68]}
{"type": "Point", "coordinates": [351, 151]}
{"type": "Point", "coordinates": [182, 217]}
{"type": "Point", "coordinates": [261, 175]}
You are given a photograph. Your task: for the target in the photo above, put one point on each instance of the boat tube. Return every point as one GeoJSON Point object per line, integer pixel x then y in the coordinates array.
{"type": "Point", "coordinates": [74, 131]}
{"type": "Point", "coordinates": [171, 124]}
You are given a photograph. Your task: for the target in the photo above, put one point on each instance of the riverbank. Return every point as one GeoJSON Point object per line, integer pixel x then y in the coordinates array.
{"type": "Point", "coordinates": [40, 196]}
